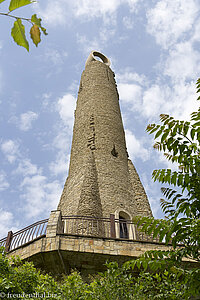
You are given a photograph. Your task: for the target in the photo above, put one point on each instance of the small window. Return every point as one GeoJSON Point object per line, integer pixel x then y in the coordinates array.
{"type": "Point", "coordinates": [123, 228]}
{"type": "Point", "coordinates": [114, 152]}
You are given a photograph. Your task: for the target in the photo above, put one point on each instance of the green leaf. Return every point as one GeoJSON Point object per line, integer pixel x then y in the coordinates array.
{"type": "Point", "coordinates": [164, 117]}
{"type": "Point", "coordinates": [186, 179]}
{"type": "Point", "coordinates": [158, 133]}
{"type": "Point", "coordinates": [145, 264]}
{"type": "Point", "coordinates": [173, 178]}
{"type": "Point", "coordinates": [37, 21]}
{"type": "Point", "coordinates": [138, 263]}
{"type": "Point", "coordinates": [180, 179]}
{"type": "Point", "coordinates": [164, 136]}
{"type": "Point", "coordinates": [35, 34]}
{"type": "Point", "coordinates": [146, 225]}
{"type": "Point", "coordinates": [14, 4]}
{"type": "Point", "coordinates": [18, 34]}
{"type": "Point", "coordinates": [186, 128]}
{"type": "Point", "coordinates": [162, 234]}
{"type": "Point", "coordinates": [196, 124]}
{"type": "Point", "coordinates": [2, 1]}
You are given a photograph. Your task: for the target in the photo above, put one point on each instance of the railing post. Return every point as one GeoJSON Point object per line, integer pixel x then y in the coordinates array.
{"type": "Point", "coordinates": [8, 241]}
{"type": "Point", "coordinates": [55, 224]}
{"type": "Point", "coordinates": [112, 226]}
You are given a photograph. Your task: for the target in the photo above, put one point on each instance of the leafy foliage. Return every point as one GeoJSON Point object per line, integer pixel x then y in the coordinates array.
{"type": "Point", "coordinates": [180, 142]}
{"type": "Point", "coordinates": [116, 283]}
{"type": "Point", "coordinates": [18, 29]}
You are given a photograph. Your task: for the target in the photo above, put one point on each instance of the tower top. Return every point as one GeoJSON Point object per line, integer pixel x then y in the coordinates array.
{"type": "Point", "coordinates": [94, 54]}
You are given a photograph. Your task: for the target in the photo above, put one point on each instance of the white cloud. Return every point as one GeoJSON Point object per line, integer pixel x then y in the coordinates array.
{"type": "Point", "coordinates": [182, 101]}
{"type": "Point", "coordinates": [65, 107]}
{"type": "Point", "coordinates": [108, 30]}
{"type": "Point", "coordinates": [128, 76]}
{"type": "Point", "coordinates": [150, 100]}
{"type": "Point", "coordinates": [40, 196]}
{"type": "Point", "coordinates": [87, 45]}
{"type": "Point", "coordinates": [55, 13]}
{"type": "Point", "coordinates": [135, 147]}
{"type": "Point", "coordinates": [60, 12]}
{"type": "Point", "coordinates": [196, 31]}
{"type": "Point", "coordinates": [128, 22]}
{"type": "Point", "coordinates": [54, 56]}
{"type": "Point", "coordinates": [3, 181]}
{"type": "Point", "coordinates": [6, 222]}
{"type": "Point", "coordinates": [133, 4]}
{"type": "Point", "coordinates": [26, 119]}
{"type": "Point", "coordinates": [61, 164]}
{"type": "Point", "coordinates": [39, 193]}
{"type": "Point", "coordinates": [154, 193]}
{"type": "Point", "coordinates": [95, 8]}
{"type": "Point", "coordinates": [25, 168]}
{"type": "Point", "coordinates": [130, 93]}
{"type": "Point", "coordinates": [135, 92]}
{"type": "Point", "coordinates": [10, 149]}
{"type": "Point", "coordinates": [169, 20]}
{"type": "Point", "coordinates": [46, 99]}
{"type": "Point", "coordinates": [131, 88]}
{"type": "Point", "coordinates": [153, 100]}
{"type": "Point", "coordinates": [155, 205]}
{"type": "Point", "coordinates": [162, 162]}
{"type": "Point", "coordinates": [183, 62]}
{"type": "Point", "coordinates": [178, 101]}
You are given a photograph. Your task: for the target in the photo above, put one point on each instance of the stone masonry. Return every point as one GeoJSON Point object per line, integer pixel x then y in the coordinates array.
{"type": "Point", "coordinates": [102, 180]}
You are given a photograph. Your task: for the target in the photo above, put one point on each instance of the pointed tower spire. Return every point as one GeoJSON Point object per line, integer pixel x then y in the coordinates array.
{"type": "Point", "coordinates": [102, 182]}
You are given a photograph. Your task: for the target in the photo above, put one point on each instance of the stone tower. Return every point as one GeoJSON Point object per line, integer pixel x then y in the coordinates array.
{"type": "Point", "coordinates": [101, 194]}
{"type": "Point", "coordinates": [102, 180]}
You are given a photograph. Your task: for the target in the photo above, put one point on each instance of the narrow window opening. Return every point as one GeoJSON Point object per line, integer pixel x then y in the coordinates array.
{"type": "Point", "coordinates": [114, 152]}
{"type": "Point", "coordinates": [123, 228]}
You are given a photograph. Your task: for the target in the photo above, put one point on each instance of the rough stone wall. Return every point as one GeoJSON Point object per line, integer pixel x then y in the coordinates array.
{"type": "Point", "coordinates": [89, 202]}
{"type": "Point", "coordinates": [98, 128]}
{"type": "Point", "coordinates": [138, 192]}
{"type": "Point", "coordinates": [60, 254]}
{"type": "Point", "coordinates": [55, 224]}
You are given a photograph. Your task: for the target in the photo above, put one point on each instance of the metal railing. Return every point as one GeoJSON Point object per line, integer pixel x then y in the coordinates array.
{"type": "Point", "coordinates": [3, 242]}
{"type": "Point", "coordinates": [104, 228]}
{"type": "Point", "coordinates": [79, 225]}
{"type": "Point", "coordinates": [23, 236]}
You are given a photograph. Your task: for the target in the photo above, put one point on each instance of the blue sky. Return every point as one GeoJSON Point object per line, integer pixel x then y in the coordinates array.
{"type": "Point", "coordinates": [154, 51]}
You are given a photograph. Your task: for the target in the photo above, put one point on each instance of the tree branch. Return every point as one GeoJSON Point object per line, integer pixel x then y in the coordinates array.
{"type": "Point", "coordinates": [16, 17]}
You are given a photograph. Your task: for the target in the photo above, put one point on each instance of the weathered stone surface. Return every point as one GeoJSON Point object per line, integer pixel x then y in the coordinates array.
{"type": "Point", "coordinates": [138, 192]}
{"type": "Point", "coordinates": [98, 129]}
{"type": "Point", "coordinates": [55, 225]}
{"type": "Point", "coordinates": [90, 203]}
{"type": "Point", "coordinates": [62, 253]}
